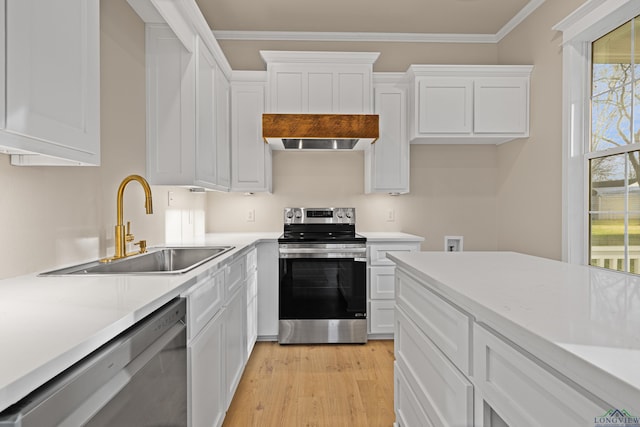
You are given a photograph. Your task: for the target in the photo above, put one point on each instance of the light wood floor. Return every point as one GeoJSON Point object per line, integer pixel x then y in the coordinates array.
{"type": "Point", "coordinates": [315, 386]}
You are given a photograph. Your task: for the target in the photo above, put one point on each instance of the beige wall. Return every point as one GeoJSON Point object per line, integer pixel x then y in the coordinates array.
{"type": "Point", "coordinates": [530, 171]}
{"type": "Point", "coordinates": [452, 193]}
{"type": "Point", "coordinates": [245, 55]}
{"type": "Point", "coordinates": [52, 216]}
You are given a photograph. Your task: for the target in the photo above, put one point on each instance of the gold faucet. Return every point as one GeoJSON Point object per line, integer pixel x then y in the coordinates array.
{"type": "Point", "coordinates": [123, 236]}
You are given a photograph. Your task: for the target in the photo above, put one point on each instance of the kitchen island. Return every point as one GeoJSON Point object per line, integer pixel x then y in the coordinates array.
{"type": "Point", "coordinates": [487, 335]}
{"type": "Point", "coordinates": [49, 323]}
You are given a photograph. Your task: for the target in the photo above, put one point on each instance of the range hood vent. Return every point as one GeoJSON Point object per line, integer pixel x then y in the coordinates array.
{"type": "Point", "coordinates": [320, 131]}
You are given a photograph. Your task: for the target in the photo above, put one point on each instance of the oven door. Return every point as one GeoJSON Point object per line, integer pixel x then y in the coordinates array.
{"type": "Point", "coordinates": [322, 293]}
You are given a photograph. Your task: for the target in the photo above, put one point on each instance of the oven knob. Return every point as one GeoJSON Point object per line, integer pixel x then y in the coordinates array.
{"type": "Point", "coordinates": [348, 214]}
{"type": "Point", "coordinates": [289, 214]}
{"type": "Point", "coordinates": [298, 215]}
{"type": "Point", "coordinates": [339, 214]}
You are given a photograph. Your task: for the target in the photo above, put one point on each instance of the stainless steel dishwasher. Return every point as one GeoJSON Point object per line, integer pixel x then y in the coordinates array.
{"type": "Point", "coordinates": [137, 379]}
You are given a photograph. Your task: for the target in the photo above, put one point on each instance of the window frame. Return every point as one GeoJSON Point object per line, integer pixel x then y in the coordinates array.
{"type": "Point", "coordinates": [580, 29]}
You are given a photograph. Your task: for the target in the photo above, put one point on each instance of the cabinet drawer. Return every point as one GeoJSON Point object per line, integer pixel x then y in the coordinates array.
{"type": "Point", "coordinates": [408, 410]}
{"type": "Point", "coordinates": [381, 317]}
{"type": "Point", "coordinates": [381, 282]}
{"type": "Point", "coordinates": [378, 252]}
{"type": "Point", "coordinates": [204, 300]}
{"type": "Point", "coordinates": [446, 325]}
{"type": "Point", "coordinates": [444, 393]}
{"type": "Point", "coordinates": [235, 274]}
{"type": "Point", "coordinates": [521, 391]}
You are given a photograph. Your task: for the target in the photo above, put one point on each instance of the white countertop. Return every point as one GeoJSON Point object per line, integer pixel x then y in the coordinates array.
{"type": "Point", "coordinates": [582, 321]}
{"type": "Point", "coordinates": [49, 323]}
{"type": "Point", "coordinates": [381, 236]}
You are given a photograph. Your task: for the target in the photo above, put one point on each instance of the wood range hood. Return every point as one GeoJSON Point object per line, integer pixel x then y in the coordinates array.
{"type": "Point", "coordinates": [320, 131]}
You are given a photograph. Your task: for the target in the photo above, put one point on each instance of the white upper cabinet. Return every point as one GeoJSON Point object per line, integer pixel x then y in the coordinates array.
{"type": "Point", "coordinates": [50, 82]}
{"type": "Point", "coordinates": [188, 141]}
{"type": "Point", "coordinates": [171, 108]}
{"type": "Point", "coordinates": [320, 82]}
{"type": "Point", "coordinates": [387, 159]}
{"type": "Point", "coordinates": [223, 120]}
{"type": "Point", "coordinates": [250, 155]}
{"type": "Point", "coordinates": [465, 104]}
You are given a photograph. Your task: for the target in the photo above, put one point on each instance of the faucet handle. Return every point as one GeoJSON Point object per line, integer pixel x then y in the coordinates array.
{"type": "Point", "coordinates": [143, 246]}
{"type": "Point", "coordinates": [129, 237]}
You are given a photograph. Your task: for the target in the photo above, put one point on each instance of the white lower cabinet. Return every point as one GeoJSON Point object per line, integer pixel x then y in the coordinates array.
{"type": "Point", "coordinates": [221, 330]}
{"type": "Point", "coordinates": [252, 300]}
{"type": "Point", "coordinates": [452, 371]}
{"type": "Point", "coordinates": [206, 372]}
{"type": "Point", "coordinates": [380, 283]}
{"type": "Point", "coordinates": [234, 349]}
{"type": "Point", "coordinates": [206, 341]}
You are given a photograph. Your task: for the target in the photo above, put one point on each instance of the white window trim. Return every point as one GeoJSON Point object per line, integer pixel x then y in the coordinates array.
{"type": "Point", "coordinates": [589, 22]}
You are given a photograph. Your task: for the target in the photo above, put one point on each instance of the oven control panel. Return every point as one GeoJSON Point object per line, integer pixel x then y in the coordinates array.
{"type": "Point", "coordinates": [319, 215]}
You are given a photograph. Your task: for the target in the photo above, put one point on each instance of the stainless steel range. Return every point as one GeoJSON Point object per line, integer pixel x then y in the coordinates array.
{"type": "Point", "coordinates": [322, 291]}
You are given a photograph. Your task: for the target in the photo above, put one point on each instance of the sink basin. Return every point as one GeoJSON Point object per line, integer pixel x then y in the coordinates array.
{"type": "Point", "coordinates": [168, 260]}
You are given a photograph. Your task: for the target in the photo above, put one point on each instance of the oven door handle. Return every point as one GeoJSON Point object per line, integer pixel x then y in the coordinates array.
{"type": "Point", "coordinates": [359, 254]}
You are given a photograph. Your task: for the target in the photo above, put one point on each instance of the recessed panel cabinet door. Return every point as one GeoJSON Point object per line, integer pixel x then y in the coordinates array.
{"type": "Point", "coordinates": [171, 104]}
{"type": "Point", "coordinates": [501, 105]}
{"type": "Point", "coordinates": [445, 105]}
{"type": "Point", "coordinates": [52, 77]}
{"type": "Point", "coordinates": [206, 161]}
{"type": "Point", "coordinates": [249, 153]}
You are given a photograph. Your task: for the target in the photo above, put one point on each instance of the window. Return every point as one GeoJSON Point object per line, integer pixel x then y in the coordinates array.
{"type": "Point", "coordinates": [613, 160]}
{"type": "Point", "coordinates": [600, 140]}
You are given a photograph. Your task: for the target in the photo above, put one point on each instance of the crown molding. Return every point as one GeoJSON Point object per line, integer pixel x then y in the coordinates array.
{"type": "Point", "coordinates": [353, 37]}
{"type": "Point", "coordinates": [297, 57]}
{"type": "Point", "coordinates": [381, 37]}
{"type": "Point", "coordinates": [518, 18]}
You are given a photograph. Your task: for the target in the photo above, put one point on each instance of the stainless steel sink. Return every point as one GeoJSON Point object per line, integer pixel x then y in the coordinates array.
{"type": "Point", "coordinates": [166, 260]}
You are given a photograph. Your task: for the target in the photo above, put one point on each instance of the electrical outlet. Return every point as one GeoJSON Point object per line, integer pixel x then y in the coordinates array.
{"type": "Point", "coordinates": [453, 243]}
{"type": "Point", "coordinates": [391, 215]}
{"type": "Point", "coordinates": [170, 198]}
{"type": "Point", "coordinates": [251, 215]}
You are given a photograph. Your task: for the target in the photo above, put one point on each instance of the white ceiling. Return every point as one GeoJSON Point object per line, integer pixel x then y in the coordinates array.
{"type": "Point", "coordinates": [487, 20]}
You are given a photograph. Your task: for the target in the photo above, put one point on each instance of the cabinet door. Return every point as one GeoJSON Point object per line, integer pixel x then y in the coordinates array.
{"type": "Point", "coordinates": [223, 140]}
{"type": "Point", "coordinates": [522, 392]}
{"type": "Point", "coordinates": [252, 311]}
{"type": "Point", "coordinates": [207, 400]}
{"type": "Point", "coordinates": [171, 108]}
{"type": "Point", "coordinates": [206, 128]}
{"type": "Point", "coordinates": [381, 317]}
{"type": "Point", "coordinates": [320, 88]}
{"type": "Point", "coordinates": [443, 392]}
{"type": "Point", "coordinates": [445, 105]}
{"type": "Point", "coordinates": [268, 277]}
{"type": "Point", "coordinates": [234, 345]}
{"type": "Point", "coordinates": [249, 152]}
{"type": "Point", "coordinates": [387, 159]}
{"type": "Point", "coordinates": [381, 282]}
{"type": "Point", "coordinates": [52, 78]}
{"type": "Point", "coordinates": [501, 105]}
